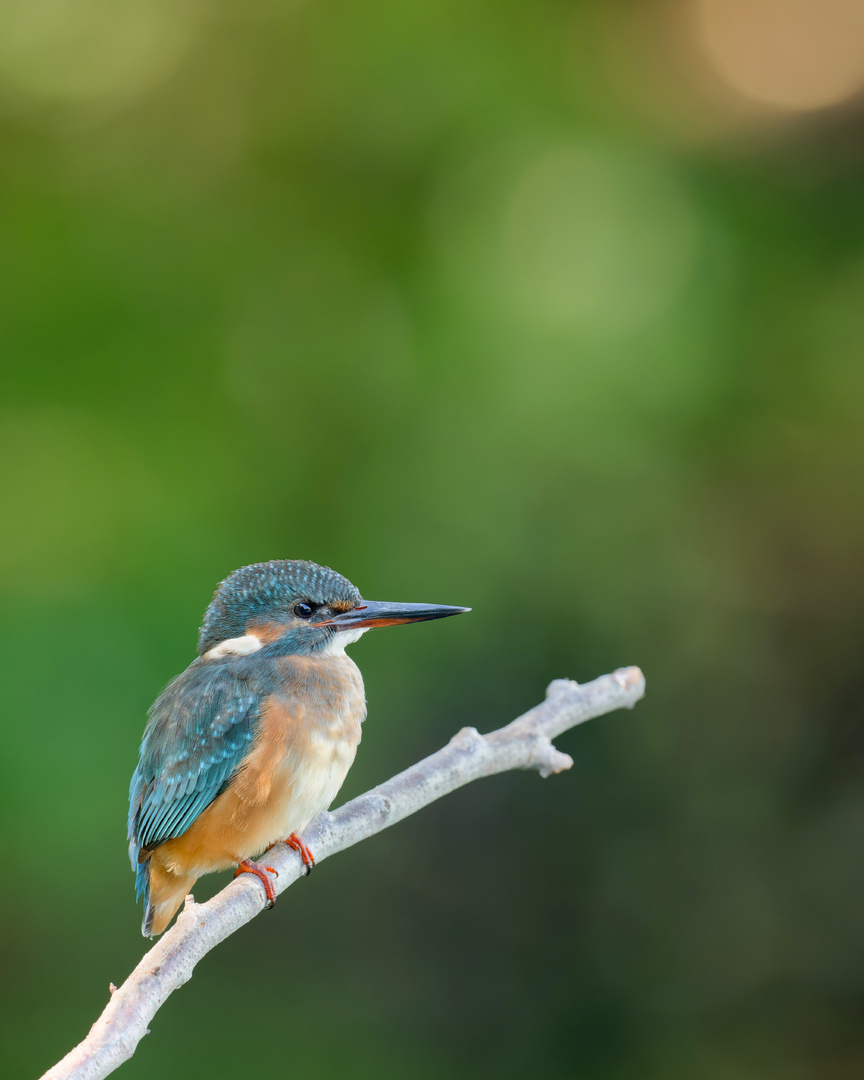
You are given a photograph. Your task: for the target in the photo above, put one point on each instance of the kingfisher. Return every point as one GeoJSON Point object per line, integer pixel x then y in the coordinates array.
{"type": "Point", "coordinates": [254, 739]}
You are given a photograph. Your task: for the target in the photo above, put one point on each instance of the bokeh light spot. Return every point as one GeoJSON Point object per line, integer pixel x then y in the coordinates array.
{"type": "Point", "coordinates": [92, 50]}
{"type": "Point", "coordinates": [592, 241]}
{"type": "Point", "coordinates": [790, 54]}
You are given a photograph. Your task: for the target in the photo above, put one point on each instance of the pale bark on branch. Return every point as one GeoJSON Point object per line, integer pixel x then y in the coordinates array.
{"type": "Point", "coordinates": [526, 743]}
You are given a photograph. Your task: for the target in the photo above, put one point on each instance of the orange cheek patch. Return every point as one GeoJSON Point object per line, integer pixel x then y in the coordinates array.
{"type": "Point", "coordinates": [266, 632]}
{"type": "Point", "coordinates": [342, 605]}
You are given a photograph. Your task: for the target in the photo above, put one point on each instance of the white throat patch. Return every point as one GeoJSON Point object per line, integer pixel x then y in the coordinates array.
{"type": "Point", "coordinates": [336, 645]}
{"type": "Point", "coordinates": [235, 646]}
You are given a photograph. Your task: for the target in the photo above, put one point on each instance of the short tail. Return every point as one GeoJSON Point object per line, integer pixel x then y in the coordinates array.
{"type": "Point", "coordinates": [163, 892]}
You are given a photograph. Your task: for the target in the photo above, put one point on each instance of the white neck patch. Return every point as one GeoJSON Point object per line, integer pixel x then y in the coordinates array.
{"type": "Point", "coordinates": [235, 646]}
{"type": "Point", "coordinates": [336, 645]}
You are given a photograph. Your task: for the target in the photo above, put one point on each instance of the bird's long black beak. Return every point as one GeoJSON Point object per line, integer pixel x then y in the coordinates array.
{"type": "Point", "coordinates": [371, 613]}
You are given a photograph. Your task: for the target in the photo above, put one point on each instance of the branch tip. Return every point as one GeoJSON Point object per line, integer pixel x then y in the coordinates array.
{"type": "Point", "coordinates": [628, 678]}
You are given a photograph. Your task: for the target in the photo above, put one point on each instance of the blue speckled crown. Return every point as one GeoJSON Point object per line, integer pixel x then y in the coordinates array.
{"type": "Point", "coordinates": [268, 587]}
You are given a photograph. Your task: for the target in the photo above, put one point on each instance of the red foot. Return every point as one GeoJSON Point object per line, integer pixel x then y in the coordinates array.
{"type": "Point", "coordinates": [263, 875]}
{"type": "Point", "coordinates": [305, 854]}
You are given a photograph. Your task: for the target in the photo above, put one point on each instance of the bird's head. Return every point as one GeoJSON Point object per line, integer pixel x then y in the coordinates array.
{"type": "Point", "coordinates": [297, 607]}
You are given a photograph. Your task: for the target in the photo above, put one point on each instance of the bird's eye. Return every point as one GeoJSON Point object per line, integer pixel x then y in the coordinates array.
{"type": "Point", "coordinates": [303, 610]}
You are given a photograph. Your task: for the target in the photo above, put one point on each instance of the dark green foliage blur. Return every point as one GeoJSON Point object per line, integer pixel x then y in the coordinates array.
{"type": "Point", "coordinates": [428, 292]}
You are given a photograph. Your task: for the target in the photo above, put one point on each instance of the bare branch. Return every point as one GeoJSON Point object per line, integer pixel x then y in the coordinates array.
{"type": "Point", "coordinates": [526, 743]}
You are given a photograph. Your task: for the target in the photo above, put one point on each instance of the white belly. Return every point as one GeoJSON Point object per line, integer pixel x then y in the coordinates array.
{"type": "Point", "coordinates": [309, 783]}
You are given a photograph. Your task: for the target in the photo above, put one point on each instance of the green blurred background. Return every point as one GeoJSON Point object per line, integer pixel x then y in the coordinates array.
{"type": "Point", "coordinates": [551, 309]}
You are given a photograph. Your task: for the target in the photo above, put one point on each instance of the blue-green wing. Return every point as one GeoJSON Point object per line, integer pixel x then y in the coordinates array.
{"type": "Point", "coordinates": [200, 730]}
